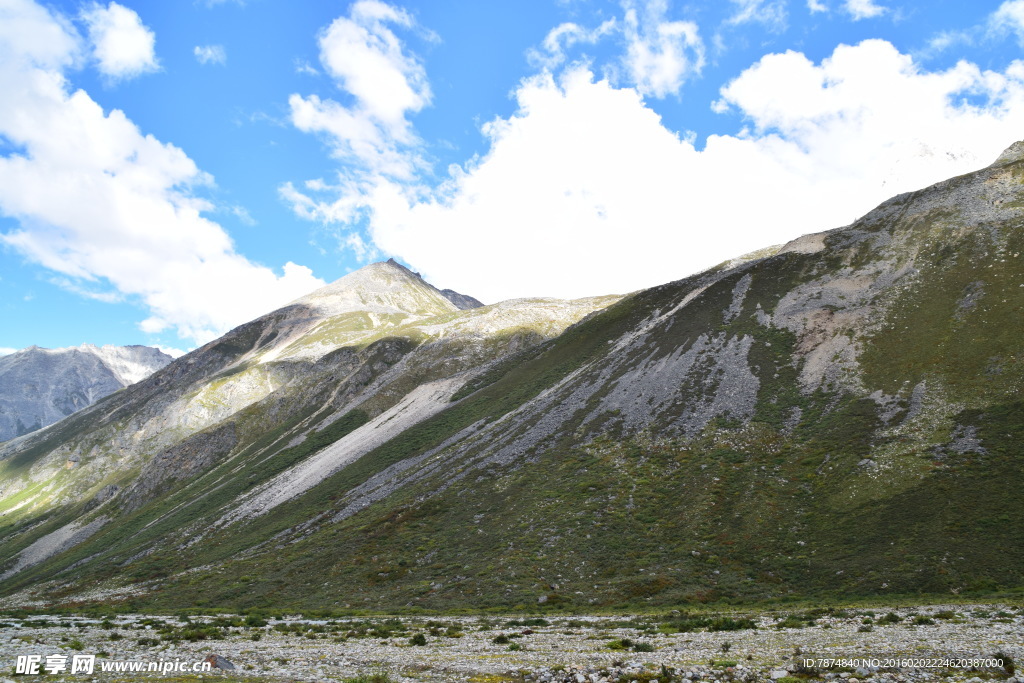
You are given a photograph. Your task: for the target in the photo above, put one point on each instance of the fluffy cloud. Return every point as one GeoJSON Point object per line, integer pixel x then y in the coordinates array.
{"type": "Point", "coordinates": [1008, 18]}
{"type": "Point", "coordinates": [368, 62]}
{"type": "Point", "coordinates": [210, 54]}
{"type": "Point", "coordinates": [6, 350]}
{"type": "Point", "coordinates": [660, 54]}
{"type": "Point", "coordinates": [108, 207]}
{"type": "Point", "coordinates": [863, 9]}
{"type": "Point", "coordinates": [584, 190]}
{"type": "Point", "coordinates": [122, 46]}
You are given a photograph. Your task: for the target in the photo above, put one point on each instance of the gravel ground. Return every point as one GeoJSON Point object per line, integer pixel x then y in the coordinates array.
{"type": "Point", "coordinates": [565, 649]}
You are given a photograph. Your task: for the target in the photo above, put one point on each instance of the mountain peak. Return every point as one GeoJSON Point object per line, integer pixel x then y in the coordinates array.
{"type": "Point", "coordinates": [385, 287]}
{"type": "Point", "coordinates": [1014, 152]}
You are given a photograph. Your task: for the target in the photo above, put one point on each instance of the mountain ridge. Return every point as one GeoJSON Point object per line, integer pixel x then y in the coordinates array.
{"type": "Point", "coordinates": [840, 415]}
{"type": "Point", "coordinates": [39, 386]}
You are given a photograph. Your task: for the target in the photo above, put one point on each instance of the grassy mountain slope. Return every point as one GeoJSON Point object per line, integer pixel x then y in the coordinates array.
{"type": "Point", "coordinates": [839, 416]}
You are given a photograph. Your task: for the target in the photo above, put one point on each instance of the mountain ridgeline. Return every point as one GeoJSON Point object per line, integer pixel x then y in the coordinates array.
{"type": "Point", "coordinates": [40, 386]}
{"type": "Point", "coordinates": [838, 416]}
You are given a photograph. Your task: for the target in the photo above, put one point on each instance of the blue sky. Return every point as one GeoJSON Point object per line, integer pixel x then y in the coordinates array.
{"type": "Point", "coordinates": [170, 170]}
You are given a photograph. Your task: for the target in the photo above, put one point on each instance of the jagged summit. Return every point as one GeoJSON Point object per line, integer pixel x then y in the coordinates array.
{"type": "Point", "coordinates": [39, 386]}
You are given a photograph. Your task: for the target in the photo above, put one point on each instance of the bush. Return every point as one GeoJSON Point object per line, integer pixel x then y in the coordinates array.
{"type": "Point", "coordinates": [418, 639]}
{"type": "Point", "coordinates": [1009, 666]}
{"type": "Point", "coordinates": [889, 618]}
{"type": "Point", "coordinates": [500, 639]}
{"type": "Point", "coordinates": [643, 647]}
{"type": "Point", "coordinates": [619, 644]}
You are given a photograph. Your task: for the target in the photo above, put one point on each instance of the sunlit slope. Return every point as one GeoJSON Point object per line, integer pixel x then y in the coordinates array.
{"type": "Point", "coordinates": [346, 354]}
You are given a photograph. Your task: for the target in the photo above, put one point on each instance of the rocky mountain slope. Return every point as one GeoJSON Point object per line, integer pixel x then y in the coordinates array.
{"type": "Point", "coordinates": [838, 416]}
{"type": "Point", "coordinates": [40, 386]}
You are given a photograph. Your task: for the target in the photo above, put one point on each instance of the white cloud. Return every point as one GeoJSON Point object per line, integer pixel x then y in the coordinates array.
{"type": "Point", "coordinates": [368, 62]}
{"type": "Point", "coordinates": [771, 13]}
{"type": "Point", "coordinates": [1008, 18]}
{"type": "Point", "coordinates": [584, 191]}
{"type": "Point", "coordinates": [304, 67]}
{"type": "Point", "coordinates": [816, 6]}
{"type": "Point", "coordinates": [210, 54]}
{"type": "Point", "coordinates": [863, 9]}
{"type": "Point", "coordinates": [6, 350]}
{"type": "Point", "coordinates": [565, 36]}
{"type": "Point", "coordinates": [122, 46]}
{"type": "Point", "coordinates": [660, 54]}
{"type": "Point", "coordinates": [112, 209]}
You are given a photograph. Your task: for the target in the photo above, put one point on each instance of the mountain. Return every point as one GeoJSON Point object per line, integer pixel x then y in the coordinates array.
{"type": "Point", "coordinates": [40, 386]}
{"type": "Point", "coordinates": [838, 416]}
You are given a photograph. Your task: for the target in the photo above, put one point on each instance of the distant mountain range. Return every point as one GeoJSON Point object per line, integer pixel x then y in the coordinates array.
{"type": "Point", "coordinates": [839, 416]}
{"type": "Point", "coordinates": [40, 386]}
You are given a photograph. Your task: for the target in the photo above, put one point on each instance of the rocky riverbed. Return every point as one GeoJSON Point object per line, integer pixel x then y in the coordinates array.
{"type": "Point", "coordinates": [956, 643]}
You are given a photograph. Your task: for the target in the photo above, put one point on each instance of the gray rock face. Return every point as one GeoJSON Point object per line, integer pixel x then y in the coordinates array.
{"type": "Point", "coordinates": [463, 301]}
{"type": "Point", "coordinates": [41, 386]}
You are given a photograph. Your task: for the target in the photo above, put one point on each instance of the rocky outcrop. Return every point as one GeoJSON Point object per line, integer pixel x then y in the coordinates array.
{"type": "Point", "coordinates": [41, 386]}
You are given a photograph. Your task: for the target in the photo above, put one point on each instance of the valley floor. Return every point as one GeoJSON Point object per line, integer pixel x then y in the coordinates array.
{"type": "Point", "coordinates": [954, 643]}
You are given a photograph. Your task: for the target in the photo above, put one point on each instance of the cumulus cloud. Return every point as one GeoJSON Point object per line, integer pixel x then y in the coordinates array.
{"type": "Point", "coordinates": [122, 45]}
{"type": "Point", "coordinates": [210, 54]}
{"type": "Point", "coordinates": [584, 190]}
{"type": "Point", "coordinates": [816, 6]}
{"type": "Point", "coordinates": [6, 350]}
{"type": "Point", "coordinates": [863, 9]}
{"type": "Point", "coordinates": [660, 54]}
{"type": "Point", "coordinates": [373, 136]}
{"type": "Point", "coordinates": [108, 208]}
{"type": "Point", "coordinates": [368, 62]}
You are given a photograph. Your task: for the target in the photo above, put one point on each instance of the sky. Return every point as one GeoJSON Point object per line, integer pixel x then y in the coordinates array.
{"type": "Point", "coordinates": [170, 170]}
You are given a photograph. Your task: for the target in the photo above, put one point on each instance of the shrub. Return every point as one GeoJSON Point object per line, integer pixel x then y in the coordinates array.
{"type": "Point", "coordinates": [1009, 666]}
{"type": "Point", "coordinates": [643, 647]}
{"type": "Point", "coordinates": [889, 618]}
{"type": "Point", "coordinates": [418, 639]}
{"type": "Point", "coordinates": [500, 639]}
